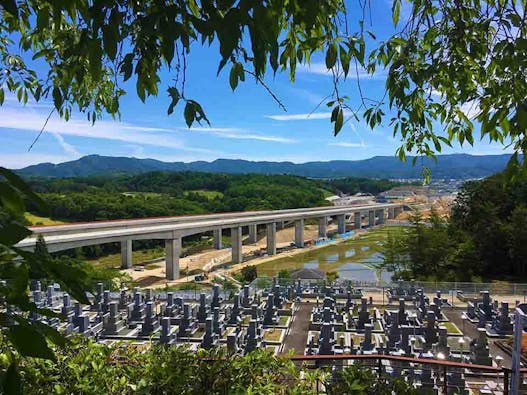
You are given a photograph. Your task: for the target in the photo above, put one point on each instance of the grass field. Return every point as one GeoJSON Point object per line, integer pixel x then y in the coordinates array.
{"type": "Point", "coordinates": [326, 193]}
{"type": "Point", "coordinates": [190, 286]}
{"type": "Point", "coordinates": [113, 261]}
{"type": "Point", "coordinates": [273, 335]}
{"type": "Point", "coordinates": [145, 195]}
{"type": "Point", "coordinates": [36, 220]}
{"type": "Point", "coordinates": [208, 194]}
{"type": "Point", "coordinates": [451, 328]}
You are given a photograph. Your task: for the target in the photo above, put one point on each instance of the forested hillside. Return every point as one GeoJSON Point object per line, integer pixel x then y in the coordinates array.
{"type": "Point", "coordinates": [485, 238]}
{"type": "Point", "coordinates": [180, 193]}
{"type": "Point", "coordinates": [458, 166]}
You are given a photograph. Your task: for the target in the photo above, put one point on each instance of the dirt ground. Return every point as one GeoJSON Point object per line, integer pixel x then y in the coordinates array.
{"type": "Point", "coordinates": [154, 274]}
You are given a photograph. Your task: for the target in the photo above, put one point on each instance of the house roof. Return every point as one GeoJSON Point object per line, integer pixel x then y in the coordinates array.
{"type": "Point", "coordinates": [308, 274]}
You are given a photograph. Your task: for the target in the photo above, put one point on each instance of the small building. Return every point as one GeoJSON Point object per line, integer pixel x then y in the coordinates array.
{"type": "Point", "coordinates": [308, 274]}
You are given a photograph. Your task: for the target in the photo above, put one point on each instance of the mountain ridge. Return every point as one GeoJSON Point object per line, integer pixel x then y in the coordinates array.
{"type": "Point", "coordinates": [455, 166]}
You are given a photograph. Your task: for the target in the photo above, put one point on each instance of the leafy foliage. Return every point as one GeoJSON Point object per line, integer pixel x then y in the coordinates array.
{"type": "Point", "coordinates": [485, 237]}
{"type": "Point", "coordinates": [248, 273]}
{"type": "Point", "coordinates": [163, 194]}
{"type": "Point", "coordinates": [449, 65]}
{"type": "Point", "coordinates": [359, 380]}
{"type": "Point", "coordinates": [90, 368]}
{"type": "Point", "coordinates": [28, 337]}
{"type": "Point", "coordinates": [91, 48]}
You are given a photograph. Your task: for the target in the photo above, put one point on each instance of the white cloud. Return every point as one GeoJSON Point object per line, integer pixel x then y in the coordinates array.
{"type": "Point", "coordinates": [68, 148]}
{"type": "Point", "coordinates": [319, 68]}
{"type": "Point", "coordinates": [348, 144]}
{"type": "Point", "coordinates": [242, 134]}
{"type": "Point", "coordinates": [311, 97]}
{"type": "Point", "coordinates": [304, 116]}
{"type": "Point", "coordinates": [299, 117]}
{"type": "Point", "coordinates": [32, 121]}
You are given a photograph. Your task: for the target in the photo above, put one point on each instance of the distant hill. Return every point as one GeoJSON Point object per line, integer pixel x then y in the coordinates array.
{"type": "Point", "coordinates": [455, 166]}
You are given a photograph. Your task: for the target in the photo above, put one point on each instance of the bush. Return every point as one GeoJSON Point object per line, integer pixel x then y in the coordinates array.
{"type": "Point", "coordinates": [284, 273]}
{"type": "Point", "coordinates": [357, 379]}
{"type": "Point", "coordinates": [249, 273]}
{"type": "Point", "coordinates": [85, 367]}
{"type": "Point", "coordinates": [91, 368]}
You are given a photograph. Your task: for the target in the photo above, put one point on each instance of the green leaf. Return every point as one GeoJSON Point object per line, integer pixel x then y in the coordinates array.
{"type": "Point", "coordinates": [233, 77]}
{"type": "Point", "coordinates": [29, 341]}
{"type": "Point", "coordinates": [20, 184]}
{"type": "Point", "coordinates": [334, 114]}
{"type": "Point", "coordinates": [11, 383]}
{"type": "Point", "coordinates": [396, 11]}
{"type": "Point", "coordinates": [331, 55]}
{"type": "Point", "coordinates": [344, 60]}
{"type": "Point", "coordinates": [51, 333]}
{"type": "Point", "coordinates": [174, 94]}
{"type": "Point", "coordinates": [339, 122]}
{"type": "Point", "coordinates": [127, 66]}
{"type": "Point", "coordinates": [57, 98]}
{"type": "Point", "coordinates": [189, 114]}
{"type": "Point", "coordinates": [10, 6]}
{"type": "Point", "coordinates": [11, 199]}
{"type": "Point", "coordinates": [109, 38]}
{"type": "Point", "coordinates": [193, 8]}
{"type": "Point", "coordinates": [12, 233]}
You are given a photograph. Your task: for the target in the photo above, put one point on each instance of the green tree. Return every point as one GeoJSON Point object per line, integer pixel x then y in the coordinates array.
{"type": "Point", "coordinates": [248, 273]}
{"type": "Point", "coordinates": [27, 337]}
{"type": "Point", "coordinates": [284, 273]}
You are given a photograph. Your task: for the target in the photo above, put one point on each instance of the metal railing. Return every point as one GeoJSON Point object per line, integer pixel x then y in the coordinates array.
{"type": "Point", "coordinates": [408, 366]}
{"type": "Point", "coordinates": [469, 289]}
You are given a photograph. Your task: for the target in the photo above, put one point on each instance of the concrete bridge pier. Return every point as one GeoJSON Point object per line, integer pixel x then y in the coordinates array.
{"type": "Point", "coordinates": [357, 220]}
{"type": "Point", "coordinates": [253, 233]}
{"type": "Point", "coordinates": [236, 243]}
{"type": "Point", "coordinates": [371, 218]}
{"type": "Point", "coordinates": [391, 212]}
{"type": "Point", "coordinates": [172, 252]}
{"type": "Point", "coordinates": [341, 223]}
{"type": "Point", "coordinates": [271, 239]}
{"type": "Point", "coordinates": [299, 233]}
{"type": "Point", "coordinates": [322, 231]}
{"type": "Point", "coordinates": [218, 245]}
{"type": "Point", "coordinates": [126, 254]}
{"type": "Point", "coordinates": [380, 217]}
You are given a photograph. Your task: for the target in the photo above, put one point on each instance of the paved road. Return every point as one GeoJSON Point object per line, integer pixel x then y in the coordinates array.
{"type": "Point", "coordinates": [297, 338]}
{"type": "Point", "coordinates": [470, 329]}
{"type": "Point", "coordinates": [77, 235]}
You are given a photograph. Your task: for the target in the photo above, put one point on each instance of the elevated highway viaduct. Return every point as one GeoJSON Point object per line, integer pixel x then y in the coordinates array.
{"type": "Point", "coordinates": [173, 229]}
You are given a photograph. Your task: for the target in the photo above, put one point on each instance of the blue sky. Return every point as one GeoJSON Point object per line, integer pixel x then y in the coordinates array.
{"type": "Point", "coordinates": [246, 124]}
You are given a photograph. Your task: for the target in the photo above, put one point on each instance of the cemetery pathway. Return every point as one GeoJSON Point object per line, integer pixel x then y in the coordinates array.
{"type": "Point", "coordinates": [297, 338]}
{"type": "Point", "coordinates": [471, 330]}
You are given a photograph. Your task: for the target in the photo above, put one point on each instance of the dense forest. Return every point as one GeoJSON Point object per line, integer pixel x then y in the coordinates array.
{"type": "Point", "coordinates": [485, 238]}
{"type": "Point", "coordinates": [179, 193]}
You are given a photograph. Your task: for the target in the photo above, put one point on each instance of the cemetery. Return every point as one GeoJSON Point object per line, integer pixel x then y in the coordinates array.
{"type": "Point", "coordinates": [342, 320]}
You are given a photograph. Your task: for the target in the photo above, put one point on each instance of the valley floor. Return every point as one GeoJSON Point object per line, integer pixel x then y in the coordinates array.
{"type": "Point", "coordinates": [154, 274]}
